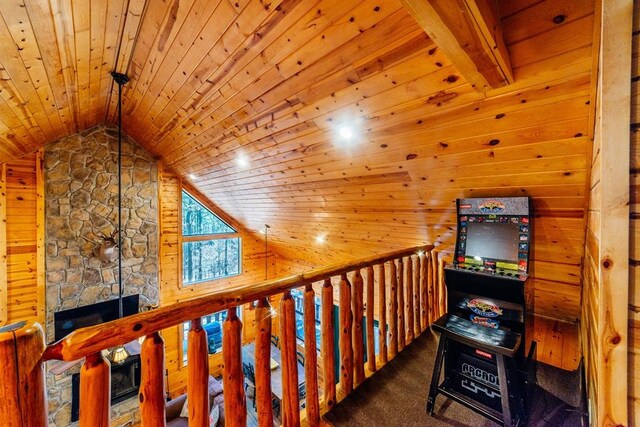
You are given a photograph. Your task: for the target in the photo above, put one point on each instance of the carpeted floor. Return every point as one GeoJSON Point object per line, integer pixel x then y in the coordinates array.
{"type": "Point", "coordinates": [397, 396]}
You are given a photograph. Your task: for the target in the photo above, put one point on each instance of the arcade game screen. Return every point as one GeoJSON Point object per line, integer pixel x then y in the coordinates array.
{"type": "Point", "coordinates": [493, 240]}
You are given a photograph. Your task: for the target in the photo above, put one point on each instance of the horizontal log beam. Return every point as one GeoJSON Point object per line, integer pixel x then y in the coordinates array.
{"type": "Point", "coordinates": [469, 34]}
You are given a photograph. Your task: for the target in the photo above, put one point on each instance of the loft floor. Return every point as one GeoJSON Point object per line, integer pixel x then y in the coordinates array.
{"type": "Point", "coordinates": [397, 394]}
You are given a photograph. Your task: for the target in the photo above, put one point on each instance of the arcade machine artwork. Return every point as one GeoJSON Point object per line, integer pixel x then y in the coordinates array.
{"type": "Point", "coordinates": [483, 332]}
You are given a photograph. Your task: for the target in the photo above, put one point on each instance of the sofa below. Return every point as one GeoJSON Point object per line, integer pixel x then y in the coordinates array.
{"type": "Point", "coordinates": [174, 406]}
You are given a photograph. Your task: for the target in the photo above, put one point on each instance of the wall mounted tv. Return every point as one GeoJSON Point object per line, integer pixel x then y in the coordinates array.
{"type": "Point", "coordinates": [68, 321]}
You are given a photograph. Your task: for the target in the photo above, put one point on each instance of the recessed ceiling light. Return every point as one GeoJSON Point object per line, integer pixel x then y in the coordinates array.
{"type": "Point", "coordinates": [346, 132]}
{"type": "Point", "coordinates": [192, 176]}
{"type": "Point", "coordinates": [242, 160]}
{"type": "Point", "coordinates": [320, 239]}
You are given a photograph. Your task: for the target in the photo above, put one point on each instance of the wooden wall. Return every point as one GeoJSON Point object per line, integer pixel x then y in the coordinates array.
{"type": "Point", "coordinates": [171, 291]}
{"type": "Point", "coordinates": [397, 190]}
{"type": "Point", "coordinates": [606, 271]}
{"type": "Point", "coordinates": [22, 287]}
{"type": "Point", "coordinates": [634, 227]}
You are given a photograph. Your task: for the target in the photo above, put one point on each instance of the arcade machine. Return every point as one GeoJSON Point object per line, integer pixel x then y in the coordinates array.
{"type": "Point", "coordinates": [482, 336]}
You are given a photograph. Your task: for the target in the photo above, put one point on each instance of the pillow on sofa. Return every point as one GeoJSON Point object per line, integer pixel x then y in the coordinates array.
{"type": "Point", "coordinates": [185, 409]}
{"type": "Point", "coordinates": [214, 415]}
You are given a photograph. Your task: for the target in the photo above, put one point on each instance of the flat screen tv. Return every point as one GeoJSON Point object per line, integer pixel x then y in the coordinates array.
{"type": "Point", "coordinates": [493, 240]}
{"type": "Point", "coordinates": [68, 321]}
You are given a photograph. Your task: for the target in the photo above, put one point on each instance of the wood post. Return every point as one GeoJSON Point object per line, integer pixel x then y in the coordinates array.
{"type": "Point", "coordinates": [393, 310]}
{"type": "Point", "coordinates": [4, 285]}
{"type": "Point", "coordinates": [327, 347]}
{"type": "Point", "coordinates": [424, 298]}
{"type": "Point", "coordinates": [402, 331]}
{"type": "Point", "coordinates": [371, 348]}
{"type": "Point", "coordinates": [198, 375]}
{"type": "Point", "coordinates": [382, 315]}
{"type": "Point", "coordinates": [290, 400]}
{"type": "Point", "coordinates": [152, 384]}
{"type": "Point", "coordinates": [442, 289]}
{"type": "Point", "coordinates": [22, 383]}
{"type": "Point", "coordinates": [409, 298]}
{"type": "Point", "coordinates": [235, 404]}
{"type": "Point", "coordinates": [358, 338]}
{"type": "Point", "coordinates": [346, 325]}
{"type": "Point", "coordinates": [95, 391]}
{"type": "Point", "coordinates": [416, 297]}
{"type": "Point", "coordinates": [431, 289]}
{"type": "Point", "coordinates": [263, 363]}
{"type": "Point", "coordinates": [311, 358]}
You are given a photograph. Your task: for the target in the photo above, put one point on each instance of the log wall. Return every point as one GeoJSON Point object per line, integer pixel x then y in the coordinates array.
{"type": "Point", "coordinates": [22, 292]}
{"type": "Point", "coordinates": [605, 337]}
{"type": "Point", "coordinates": [634, 227]}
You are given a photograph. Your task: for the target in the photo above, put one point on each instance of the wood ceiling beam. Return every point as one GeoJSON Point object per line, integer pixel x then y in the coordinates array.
{"type": "Point", "coordinates": [469, 33]}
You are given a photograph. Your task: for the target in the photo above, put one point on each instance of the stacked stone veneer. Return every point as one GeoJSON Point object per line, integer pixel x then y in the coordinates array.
{"type": "Point", "coordinates": [81, 200]}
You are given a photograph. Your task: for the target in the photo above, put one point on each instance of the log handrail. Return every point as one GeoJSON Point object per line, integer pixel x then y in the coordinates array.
{"type": "Point", "coordinates": [90, 340]}
{"type": "Point", "coordinates": [405, 306]}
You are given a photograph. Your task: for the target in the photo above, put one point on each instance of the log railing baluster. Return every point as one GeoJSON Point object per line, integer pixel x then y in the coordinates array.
{"type": "Point", "coordinates": [263, 363]}
{"type": "Point", "coordinates": [346, 325]}
{"type": "Point", "coordinates": [235, 403]}
{"type": "Point", "coordinates": [371, 348]}
{"type": "Point", "coordinates": [431, 289]}
{"type": "Point", "coordinates": [327, 346]}
{"type": "Point", "coordinates": [382, 315]}
{"type": "Point", "coordinates": [23, 393]}
{"type": "Point", "coordinates": [198, 375]}
{"type": "Point", "coordinates": [402, 331]}
{"type": "Point", "coordinates": [358, 338]}
{"type": "Point", "coordinates": [393, 310]}
{"type": "Point", "coordinates": [152, 392]}
{"type": "Point", "coordinates": [290, 400]}
{"type": "Point", "coordinates": [442, 288]}
{"type": "Point", "coordinates": [416, 297]}
{"type": "Point", "coordinates": [409, 298]}
{"type": "Point", "coordinates": [95, 392]}
{"type": "Point", "coordinates": [424, 302]}
{"type": "Point", "coordinates": [311, 358]}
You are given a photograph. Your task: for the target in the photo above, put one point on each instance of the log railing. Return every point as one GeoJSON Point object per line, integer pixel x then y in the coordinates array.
{"type": "Point", "coordinates": [403, 291]}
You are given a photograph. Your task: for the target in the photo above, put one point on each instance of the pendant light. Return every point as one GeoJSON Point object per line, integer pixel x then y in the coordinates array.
{"type": "Point", "coordinates": [119, 354]}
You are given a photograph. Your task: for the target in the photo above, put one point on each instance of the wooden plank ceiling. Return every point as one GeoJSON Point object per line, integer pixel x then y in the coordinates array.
{"type": "Point", "coordinates": [249, 100]}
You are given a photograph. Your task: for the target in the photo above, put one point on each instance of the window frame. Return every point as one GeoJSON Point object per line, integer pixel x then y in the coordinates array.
{"type": "Point", "coordinates": [205, 237]}
{"type": "Point", "coordinates": [298, 300]}
{"type": "Point", "coordinates": [183, 343]}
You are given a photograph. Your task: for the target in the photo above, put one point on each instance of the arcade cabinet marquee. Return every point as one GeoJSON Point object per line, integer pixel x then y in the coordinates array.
{"type": "Point", "coordinates": [483, 332]}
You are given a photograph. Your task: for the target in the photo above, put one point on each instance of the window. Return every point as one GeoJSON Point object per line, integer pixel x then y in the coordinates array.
{"type": "Point", "coordinates": [210, 247]}
{"type": "Point", "coordinates": [212, 325]}
{"type": "Point", "coordinates": [298, 299]}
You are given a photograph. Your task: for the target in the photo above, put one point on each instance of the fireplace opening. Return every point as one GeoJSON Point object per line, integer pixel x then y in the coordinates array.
{"type": "Point", "coordinates": [125, 383]}
{"type": "Point", "coordinates": [67, 321]}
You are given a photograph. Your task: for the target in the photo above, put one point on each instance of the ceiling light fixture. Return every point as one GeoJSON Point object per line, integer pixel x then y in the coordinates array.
{"type": "Point", "coordinates": [346, 132]}
{"type": "Point", "coordinates": [320, 239]}
{"type": "Point", "coordinates": [242, 160]}
{"type": "Point", "coordinates": [192, 177]}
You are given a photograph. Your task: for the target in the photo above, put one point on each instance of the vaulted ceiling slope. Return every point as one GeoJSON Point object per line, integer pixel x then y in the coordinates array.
{"type": "Point", "coordinates": [247, 99]}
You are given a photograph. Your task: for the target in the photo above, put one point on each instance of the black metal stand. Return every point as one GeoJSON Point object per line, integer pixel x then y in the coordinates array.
{"type": "Point", "coordinates": [470, 380]}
